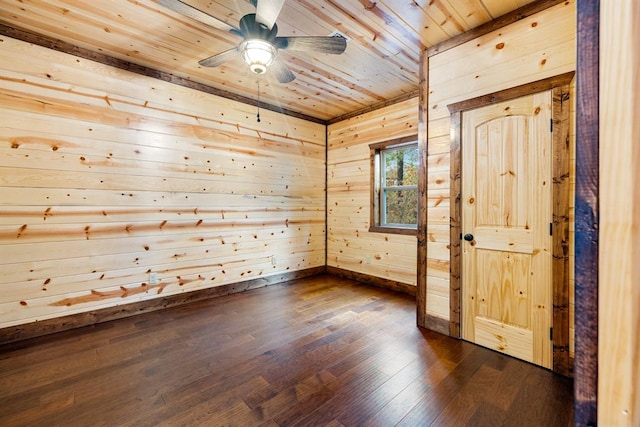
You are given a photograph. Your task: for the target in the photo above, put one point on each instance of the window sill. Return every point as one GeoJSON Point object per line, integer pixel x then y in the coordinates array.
{"type": "Point", "coordinates": [394, 230]}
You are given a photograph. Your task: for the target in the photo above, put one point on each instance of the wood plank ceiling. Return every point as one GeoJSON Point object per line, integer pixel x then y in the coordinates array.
{"type": "Point", "coordinates": [380, 64]}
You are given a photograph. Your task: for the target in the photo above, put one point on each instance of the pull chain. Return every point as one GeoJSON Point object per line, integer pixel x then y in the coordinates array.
{"type": "Point", "coordinates": [258, 99]}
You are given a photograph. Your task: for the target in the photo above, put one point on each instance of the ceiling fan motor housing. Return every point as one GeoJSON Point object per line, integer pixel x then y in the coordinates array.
{"type": "Point", "coordinates": [252, 29]}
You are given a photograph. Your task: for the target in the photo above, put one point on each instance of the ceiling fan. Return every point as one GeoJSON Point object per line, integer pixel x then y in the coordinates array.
{"type": "Point", "coordinates": [260, 44]}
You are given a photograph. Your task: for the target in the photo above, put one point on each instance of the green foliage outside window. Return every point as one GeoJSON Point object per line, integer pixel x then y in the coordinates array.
{"type": "Point", "coordinates": [399, 186]}
{"type": "Point", "coordinates": [402, 207]}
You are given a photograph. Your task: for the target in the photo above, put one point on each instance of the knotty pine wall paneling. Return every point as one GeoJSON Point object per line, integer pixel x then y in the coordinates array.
{"type": "Point", "coordinates": [618, 371]}
{"type": "Point", "coordinates": [350, 245]}
{"type": "Point", "coordinates": [534, 48]}
{"type": "Point", "coordinates": [107, 176]}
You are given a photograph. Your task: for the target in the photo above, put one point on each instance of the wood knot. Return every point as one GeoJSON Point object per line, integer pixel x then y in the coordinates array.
{"type": "Point", "coordinates": [500, 46]}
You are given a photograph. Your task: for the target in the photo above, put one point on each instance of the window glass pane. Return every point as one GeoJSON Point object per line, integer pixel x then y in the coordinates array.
{"type": "Point", "coordinates": [401, 166]}
{"type": "Point", "coordinates": [401, 207]}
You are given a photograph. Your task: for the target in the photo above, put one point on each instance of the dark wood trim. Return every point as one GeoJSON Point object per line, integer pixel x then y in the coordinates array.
{"type": "Point", "coordinates": [455, 225]}
{"type": "Point", "coordinates": [59, 324]}
{"type": "Point", "coordinates": [496, 24]}
{"type": "Point", "coordinates": [560, 264]}
{"type": "Point", "coordinates": [378, 282]}
{"type": "Point", "coordinates": [437, 324]}
{"type": "Point", "coordinates": [376, 106]}
{"type": "Point", "coordinates": [423, 147]}
{"type": "Point", "coordinates": [513, 93]}
{"type": "Point", "coordinates": [68, 48]}
{"type": "Point", "coordinates": [393, 230]}
{"type": "Point", "coordinates": [560, 250]}
{"type": "Point", "coordinates": [587, 212]}
{"type": "Point", "coordinates": [326, 195]}
{"type": "Point", "coordinates": [395, 141]}
{"type": "Point", "coordinates": [374, 189]}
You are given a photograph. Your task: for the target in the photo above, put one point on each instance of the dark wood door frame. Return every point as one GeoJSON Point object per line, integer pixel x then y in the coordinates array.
{"type": "Point", "coordinates": [560, 205]}
{"type": "Point", "coordinates": [587, 211]}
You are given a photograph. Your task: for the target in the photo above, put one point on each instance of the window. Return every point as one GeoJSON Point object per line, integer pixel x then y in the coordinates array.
{"type": "Point", "coordinates": [394, 190]}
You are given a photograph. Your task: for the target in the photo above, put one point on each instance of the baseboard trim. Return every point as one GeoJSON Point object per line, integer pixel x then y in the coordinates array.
{"type": "Point", "coordinates": [438, 324]}
{"type": "Point", "coordinates": [59, 324]}
{"type": "Point", "coordinates": [373, 280]}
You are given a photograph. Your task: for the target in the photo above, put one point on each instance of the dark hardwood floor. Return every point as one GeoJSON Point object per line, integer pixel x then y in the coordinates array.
{"type": "Point", "coordinates": [318, 351]}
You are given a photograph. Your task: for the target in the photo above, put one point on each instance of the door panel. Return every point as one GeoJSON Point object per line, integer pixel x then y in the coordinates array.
{"type": "Point", "coordinates": [503, 295]}
{"type": "Point", "coordinates": [506, 206]}
{"type": "Point", "coordinates": [514, 341]}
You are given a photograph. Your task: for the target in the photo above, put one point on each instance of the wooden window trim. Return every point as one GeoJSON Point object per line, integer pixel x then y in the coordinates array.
{"type": "Point", "coordinates": [374, 209]}
{"type": "Point", "coordinates": [393, 230]}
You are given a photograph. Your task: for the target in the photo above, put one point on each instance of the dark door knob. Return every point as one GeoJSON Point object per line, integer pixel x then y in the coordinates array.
{"type": "Point", "coordinates": [468, 237]}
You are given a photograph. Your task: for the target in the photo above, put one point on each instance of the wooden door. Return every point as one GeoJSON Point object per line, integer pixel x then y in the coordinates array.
{"type": "Point", "coordinates": [506, 220]}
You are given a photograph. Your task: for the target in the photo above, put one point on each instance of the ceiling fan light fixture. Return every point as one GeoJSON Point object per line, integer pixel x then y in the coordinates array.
{"type": "Point", "coordinates": [258, 54]}
{"type": "Point", "coordinates": [260, 45]}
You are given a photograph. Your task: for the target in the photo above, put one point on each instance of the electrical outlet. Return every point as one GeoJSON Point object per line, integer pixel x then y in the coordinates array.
{"type": "Point", "coordinates": [367, 260]}
{"type": "Point", "coordinates": [153, 278]}
{"type": "Point", "coordinates": [273, 260]}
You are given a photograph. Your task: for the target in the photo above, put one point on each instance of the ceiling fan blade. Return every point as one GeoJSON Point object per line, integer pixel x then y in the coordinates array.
{"type": "Point", "coordinates": [193, 13]}
{"type": "Point", "coordinates": [281, 71]}
{"type": "Point", "coordinates": [267, 11]}
{"type": "Point", "coordinates": [218, 59]}
{"type": "Point", "coordinates": [331, 44]}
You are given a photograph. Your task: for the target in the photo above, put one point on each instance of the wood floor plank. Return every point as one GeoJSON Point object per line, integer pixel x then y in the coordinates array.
{"type": "Point", "coordinates": [533, 407]}
{"type": "Point", "coordinates": [437, 399]}
{"type": "Point", "coordinates": [398, 407]}
{"type": "Point", "coordinates": [317, 351]}
{"type": "Point", "coordinates": [464, 405]}
{"type": "Point", "coordinates": [381, 396]}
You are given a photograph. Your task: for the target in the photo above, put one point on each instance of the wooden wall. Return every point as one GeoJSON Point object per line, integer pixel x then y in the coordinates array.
{"type": "Point", "coordinates": [106, 176]}
{"type": "Point", "coordinates": [619, 250]}
{"type": "Point", "coordinates": [350, 245]}
{"type": "Point", "coordinates": [537, 47]}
